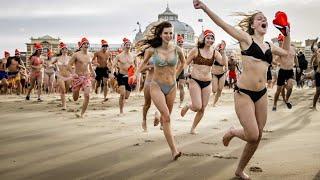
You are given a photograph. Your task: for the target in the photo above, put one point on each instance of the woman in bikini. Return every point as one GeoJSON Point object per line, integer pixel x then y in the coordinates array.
{"type": "Point", "coordinates": [219, 69]}
{"type": "Point", "coordinates": [49, 73]}
{"type": "Point", "coordinates": [36, 72]}
{"type": "Point", "coordinates": [166, 55]}
{"type": "Point", "coordinates": [63, 74]}
{"type": "Point", "coordinates": [202, 59]}
{"type": "Point", "coordinates": [250, 93]}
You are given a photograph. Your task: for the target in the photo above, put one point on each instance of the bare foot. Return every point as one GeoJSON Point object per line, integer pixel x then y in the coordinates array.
{"type": "Point", "coordinates": [242, 175]}
{"type": "Point", "coordinates": [120, 114]}
{"type": "Point", "coordinates": [184, 110]}
{"type": "Point", "coordinates": [78, 116]}
{"type": "Point", "coordinates": [176, 156]}
{"type": "Point", "coordinates": [156, 120]}
{"type": "Point", "coordinates": [227, 137]}
{"type": "Point", "coordinates": [193, 132]}
{"type": "Point", "coordinates": [313, 108]}
{"type": "Point", "coordinates": [144, 126]}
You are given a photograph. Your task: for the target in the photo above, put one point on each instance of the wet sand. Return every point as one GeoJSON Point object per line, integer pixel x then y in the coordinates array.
{"type": "Point", "coordinates": [39, 141]}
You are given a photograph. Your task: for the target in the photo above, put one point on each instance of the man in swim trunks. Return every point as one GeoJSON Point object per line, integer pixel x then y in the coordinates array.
{"type": "Point", "coordinates": [102, 59]}
{"type": "Point", "coordinates": [83, 73]}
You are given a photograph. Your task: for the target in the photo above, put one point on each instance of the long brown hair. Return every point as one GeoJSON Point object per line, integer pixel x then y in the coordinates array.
{"type": "Point", "coordinates": [153, 38]}
{"type": "Point", "coordinates": [247, 21]}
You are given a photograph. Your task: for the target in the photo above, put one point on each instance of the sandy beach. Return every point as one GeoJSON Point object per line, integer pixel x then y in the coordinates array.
{"type": "Point", "coordinates": [39, 141]}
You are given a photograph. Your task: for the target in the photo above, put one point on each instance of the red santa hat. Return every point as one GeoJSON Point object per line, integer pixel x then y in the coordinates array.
{"type": "Point", "coordinates": [83, 40]}
{"type": "Point", "coordinates": [104, 42]}
{"type": "Point", "coordinates": [207, 33]}
{"type": "Point", "coordinates": [126, 40]}
{"type": "Point", "coordinates": [37, 46]}
{"type": "Point", "coordinates": [6, 54]}
{"type": "Point", "coordinates": [17, 52]}
{"type": "Point", "coordinates": [62, 45]}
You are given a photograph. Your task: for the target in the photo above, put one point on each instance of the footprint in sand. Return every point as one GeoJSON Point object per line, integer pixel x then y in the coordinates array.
{"type": "Point", "coordinates": [138, 144]}
{"type": "Point", "coordinates": [267, 131]}
{"type": "Point", "coordinates": [224, 157]}
{"type": "Point", "coordinates": [196, 154]}
{"type": "Point", "coordinates": [255, 169]}
{"type": "Point", "coordinates": [134, 110]}
{"type": "Point", "coordinates": [20, 108]}
{"type": "Point", "coordinates": [216, 128]}
{"type": "Point", "coordinates": [149, 141]}
{"type": "Point", "coordinates": [224, 120]}
{"type": "Point", "coordinates": [264, 139]}
{"type": "Point", "coordinates": [209, 143]}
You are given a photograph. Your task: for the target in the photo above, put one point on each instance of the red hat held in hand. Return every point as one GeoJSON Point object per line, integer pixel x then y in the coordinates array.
{"type": "Point", "coordinates": [281, 22]}
{"type": "Point", "coordinates": [132, 81]}
{"type": "Point", "coordinates": [17, 52]}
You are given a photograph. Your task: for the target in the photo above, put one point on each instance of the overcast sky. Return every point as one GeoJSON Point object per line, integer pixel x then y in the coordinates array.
{"type": "Point", "coordinates": [114, 19]}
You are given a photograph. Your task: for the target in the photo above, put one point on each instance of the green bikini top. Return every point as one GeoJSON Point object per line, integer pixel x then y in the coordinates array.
{"type": "Point", "coordinates": [157, 61]}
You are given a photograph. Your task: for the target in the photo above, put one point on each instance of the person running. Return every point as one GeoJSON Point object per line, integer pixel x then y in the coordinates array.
{"type": "Point", "coordinates": [83, 73]}
{"type": "Point", "coordinates": [181, 78]}
{"type": "Point", "coordinates": [232, 66]}
{"type": "Point", "coordinates": [149, 70]}
{"type": "Point", "coordinates": [286, 76]}
{"type": "Point", "coordinates": [218, 75]}
{"type": "Point", "coordinates": [123, 62]}
{"type": "Point", "coordinates": [49, 73]}
{"type": "Point", "coordinates": [250, 96]}
{"type": "Point", "coordinates": [203, 58]}
{"type": "Point", "coordinates": [159, 46]}
{"type": "Point", "coordinates": [36, 71]}
{"type": "Point", "coordinates": [15, 67]}
{"type": "Point", "coordinates": [3, 72]}
{"type": "Point", "coordinates": [317, 81]}
{"type": "Point", "coordinates": [63, 73]}
{"type": "Point", "coordinates": [102, 59]}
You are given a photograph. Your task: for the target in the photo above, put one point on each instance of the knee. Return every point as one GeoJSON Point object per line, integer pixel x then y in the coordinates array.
{"type": "Point", "coordinates": [196, 108]}
{"type": "Point", "coordinates": [253, 137]}
{"type": "Point", "coordinates": [165, 117]}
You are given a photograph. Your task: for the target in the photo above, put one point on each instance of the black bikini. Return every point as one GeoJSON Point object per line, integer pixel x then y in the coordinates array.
{"type": "Point", "coordinates": [255, 51]}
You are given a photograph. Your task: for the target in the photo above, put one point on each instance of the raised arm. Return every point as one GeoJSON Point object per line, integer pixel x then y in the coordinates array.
{"type": "Point", "coordinates": [238, 34]}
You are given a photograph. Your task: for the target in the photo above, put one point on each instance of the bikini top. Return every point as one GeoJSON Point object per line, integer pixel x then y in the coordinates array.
{"type": "Point", "coordinates": [255, 51]}
{"type": "Point", "coordinates": [217, 63]}
{"type": "Point", "coordinates": [157, 61]}
{"type": "Point", "coordinates": [200, 60]}
{"type": "Point", "coordinates": [63, 61]}
{"type": "Point", "coordinates": [36, 61]}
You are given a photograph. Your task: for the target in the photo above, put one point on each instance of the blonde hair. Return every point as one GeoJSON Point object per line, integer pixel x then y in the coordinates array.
{"type": "Point", "coordinates": [247, 20]}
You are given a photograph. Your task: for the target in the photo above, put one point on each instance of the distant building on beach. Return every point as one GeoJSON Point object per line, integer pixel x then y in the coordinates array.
{"type": "Point", "coordinates": [180, 28]}
{"type": "Point", "coordinates": [47, 42]}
